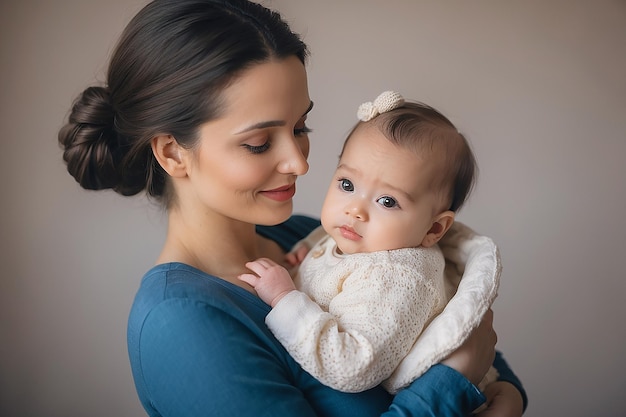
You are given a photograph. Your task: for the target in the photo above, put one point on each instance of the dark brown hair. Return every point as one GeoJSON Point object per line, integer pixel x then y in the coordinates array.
{"type": "Point", "coordinates": [421, 128]}
{"type": "Point", "coordinates": [166, 76]}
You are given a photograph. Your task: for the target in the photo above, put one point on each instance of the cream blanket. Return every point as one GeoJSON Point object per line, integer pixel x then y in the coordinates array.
{"type": "Point", "coordinates": [472, 276]}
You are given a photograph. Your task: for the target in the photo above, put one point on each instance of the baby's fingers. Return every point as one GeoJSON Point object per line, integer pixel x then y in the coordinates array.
{"type": "Point", "coordinates": [258, 266]}
{"type": "Point", "coordinates": [251, 279]}
{"type": "Point", "coordinates": [291, 259]}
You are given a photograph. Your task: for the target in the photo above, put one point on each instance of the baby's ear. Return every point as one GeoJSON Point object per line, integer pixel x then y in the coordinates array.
{"type": "Point", "coordinates": [441, 224]}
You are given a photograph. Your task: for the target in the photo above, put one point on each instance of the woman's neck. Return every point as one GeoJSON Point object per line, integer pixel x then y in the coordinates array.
{"type": "Point", "coordinates": [214, 244]}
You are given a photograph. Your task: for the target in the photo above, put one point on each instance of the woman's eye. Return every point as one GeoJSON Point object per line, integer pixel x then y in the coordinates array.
{"type": "Point", "coordinates": [299, 131]}
{"type": "Point", "coordinates": [387, 202]}
{"type": "Point", "coordinates": [257, 149]}
{"type": "Point", "coordinates": [346, 185]}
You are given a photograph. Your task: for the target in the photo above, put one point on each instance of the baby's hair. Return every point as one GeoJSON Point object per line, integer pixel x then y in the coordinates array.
{"type": "Point", "coordinates": [419, 127]}
{"type": "Point", "coordinates": [166, 77]}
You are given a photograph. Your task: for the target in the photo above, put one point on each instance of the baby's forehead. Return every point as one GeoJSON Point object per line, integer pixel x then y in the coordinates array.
{"type": "Point", "coordinates": [406, 168]}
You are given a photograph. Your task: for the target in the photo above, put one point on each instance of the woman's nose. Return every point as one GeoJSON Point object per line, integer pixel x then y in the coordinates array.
{"type": "Point", "coordinates": [294, 158]}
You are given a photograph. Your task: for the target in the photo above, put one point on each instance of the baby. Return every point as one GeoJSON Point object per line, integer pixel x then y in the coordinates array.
{"type": "Point", "coordinates": [373, 278]}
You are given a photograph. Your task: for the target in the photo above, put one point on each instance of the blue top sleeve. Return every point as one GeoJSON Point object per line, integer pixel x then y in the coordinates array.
{"type": "Point", "coordinates": [199, 346]}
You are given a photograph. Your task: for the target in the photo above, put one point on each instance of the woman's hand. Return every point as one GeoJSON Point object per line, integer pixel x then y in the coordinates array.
{"type": "Point", "coordinates": [503, 400]}
{"type": "Point", "coordinates": [271, 282]}
{"type": "Point", "coordinates": [474, 357]}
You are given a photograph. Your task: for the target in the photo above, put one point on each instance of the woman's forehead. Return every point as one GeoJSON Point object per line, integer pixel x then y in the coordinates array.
{"type": "Point", "coordinates": [275, 88]}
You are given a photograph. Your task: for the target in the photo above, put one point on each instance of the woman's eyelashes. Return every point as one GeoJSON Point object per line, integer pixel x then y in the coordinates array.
{"type": "Point", "coordinates": [299, 131]}
{"type": "Point", "coordinates": [256, 149]}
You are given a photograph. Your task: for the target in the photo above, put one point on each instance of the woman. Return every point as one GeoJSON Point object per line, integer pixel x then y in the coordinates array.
{"type": "Point", "coordinates": [205, 109]}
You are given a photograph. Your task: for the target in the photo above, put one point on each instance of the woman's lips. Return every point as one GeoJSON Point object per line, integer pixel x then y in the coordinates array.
{"type": "Point", "coordinates": [349, 233]}
{"type": "Point", "coordinates": [281, 193]}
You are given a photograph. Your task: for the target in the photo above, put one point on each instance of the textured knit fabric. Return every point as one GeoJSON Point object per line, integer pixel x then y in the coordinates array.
{"type": "Point", "coordinates": [472, 278]}
{"type": "Point", "coordinates": [357, 321]}
{"type": "Point", "coordinates": [386, 101]}
{"type": "Point", "coordinates": [198, 346]}
{"type": "Point", "coordinates": [471, 260]}
{"type": "Point", "coordinates": [356, 316]}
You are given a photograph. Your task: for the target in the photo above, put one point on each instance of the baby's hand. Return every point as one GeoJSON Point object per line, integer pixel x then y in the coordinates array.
{"type": "Point", "coordinates": [295, 257]}
{"type": "Point", "coordinates": [271, 282]}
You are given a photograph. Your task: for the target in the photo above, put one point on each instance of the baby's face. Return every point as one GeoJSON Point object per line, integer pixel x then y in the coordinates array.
{"type": "Point", "coordinates": [380, 197]}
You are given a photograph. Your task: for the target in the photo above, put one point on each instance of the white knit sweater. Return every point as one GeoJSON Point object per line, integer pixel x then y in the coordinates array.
{"type": "Point", "coordinates": [356, 316]}
{"type": "Point", "coordinates": [351, 341]}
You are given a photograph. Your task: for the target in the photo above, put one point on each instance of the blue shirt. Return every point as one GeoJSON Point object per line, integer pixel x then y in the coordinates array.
{"type": "Point", "coordinates": [199, 346]}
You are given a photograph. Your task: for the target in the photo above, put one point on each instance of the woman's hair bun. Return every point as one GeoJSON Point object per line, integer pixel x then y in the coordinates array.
{"type": "Point", "coordinates": [89, 141]}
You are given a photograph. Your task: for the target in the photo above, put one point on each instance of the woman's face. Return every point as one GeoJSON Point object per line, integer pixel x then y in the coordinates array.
{"type": "Point", "coordinates": [247, 161]}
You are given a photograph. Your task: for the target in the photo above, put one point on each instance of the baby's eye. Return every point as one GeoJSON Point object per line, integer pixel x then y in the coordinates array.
{"type": "Point", "coordinates": [387, 202]}
{"type": "Point", "coordinates": [346, 185]}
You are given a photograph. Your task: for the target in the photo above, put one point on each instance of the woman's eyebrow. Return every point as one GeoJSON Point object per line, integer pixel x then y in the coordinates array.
{"type": "Point", "coordinates": [261, 125]}
{"type": "Point", "coordinates": [270, 123]}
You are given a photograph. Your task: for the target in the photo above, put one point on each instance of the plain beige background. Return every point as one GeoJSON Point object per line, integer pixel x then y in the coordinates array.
{"type": "Point", "coordinates": [538, 87]}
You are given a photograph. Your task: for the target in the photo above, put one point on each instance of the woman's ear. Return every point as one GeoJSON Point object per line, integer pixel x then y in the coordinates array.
{"type": "Point", "coordinates": [441, 224]}
{"type": "Point", "coordinates": [169, 154]}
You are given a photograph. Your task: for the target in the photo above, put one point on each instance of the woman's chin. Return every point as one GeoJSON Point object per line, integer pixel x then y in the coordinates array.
{"type": "Point", "coordinates": [276, 215]}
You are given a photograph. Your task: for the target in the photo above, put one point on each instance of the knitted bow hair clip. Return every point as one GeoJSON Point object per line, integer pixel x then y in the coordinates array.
{"type": "Point", "coordinates": [386, 101]}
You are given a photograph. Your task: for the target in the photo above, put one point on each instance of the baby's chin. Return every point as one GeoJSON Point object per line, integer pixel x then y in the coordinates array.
{"type": "Point", "coordinates": [351, 249]}
{"type": "Point", "coordinates": [348, 249]}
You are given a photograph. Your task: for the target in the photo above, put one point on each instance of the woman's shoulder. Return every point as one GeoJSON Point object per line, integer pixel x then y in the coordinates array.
{"type": "Point", "coordinates": [181, 283]}
{"type": "Point", "coordinates": [194, 327]}
{"type": "Point", "coordinates": [174, 293]}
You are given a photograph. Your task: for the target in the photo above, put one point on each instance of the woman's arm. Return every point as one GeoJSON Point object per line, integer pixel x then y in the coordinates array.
{"type": "Point", "coordinates": [203, 360]}
{"type": "Point", "coordinates": [198, 360]}
{"type": "Point", "coordinates": [441, 391]}
{"type": "Point", "coordinates": [450, 387]}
